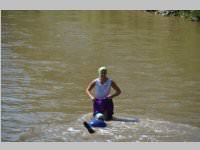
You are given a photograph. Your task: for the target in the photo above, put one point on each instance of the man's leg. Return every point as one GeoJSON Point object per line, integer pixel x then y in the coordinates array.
{"type": "Point", "coordinates": [109, 110]}
{"type": "Point", "coordinates": [99, 106]}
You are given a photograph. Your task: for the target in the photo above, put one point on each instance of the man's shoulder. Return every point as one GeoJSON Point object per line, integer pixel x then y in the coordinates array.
{"type": "Point", "coordinates": [113, 82]}
{"type": "Point", "coordinates": [94, 80]}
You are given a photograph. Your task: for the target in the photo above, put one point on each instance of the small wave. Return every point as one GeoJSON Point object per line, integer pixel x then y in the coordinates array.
{"type": "Point", "coordinates": [130, 128]}
{"type": "Point", "coordinates": [121, 130]}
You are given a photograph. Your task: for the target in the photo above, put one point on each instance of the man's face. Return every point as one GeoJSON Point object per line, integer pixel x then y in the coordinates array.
{"type": "Point", "coordinates": [103, 73]}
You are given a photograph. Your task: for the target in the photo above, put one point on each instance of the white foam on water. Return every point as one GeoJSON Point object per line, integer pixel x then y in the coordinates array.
{"type": "Point", "coordinates": [145, 130]}
{"type": "Point", "coordinates": [71, 129]}
{"type": "Point", "coordinates": [104, 131]}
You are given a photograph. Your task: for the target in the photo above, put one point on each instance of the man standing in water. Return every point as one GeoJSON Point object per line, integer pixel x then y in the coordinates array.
{"type": "Point", "coordinates": [102, 101]}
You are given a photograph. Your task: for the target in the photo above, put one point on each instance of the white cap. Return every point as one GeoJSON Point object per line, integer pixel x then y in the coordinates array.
{"type": "Point", "coordinates": [99, 116]}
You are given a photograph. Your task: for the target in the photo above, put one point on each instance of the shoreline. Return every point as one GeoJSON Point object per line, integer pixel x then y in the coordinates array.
{"type": "Point", "coordinates": [192, 15]}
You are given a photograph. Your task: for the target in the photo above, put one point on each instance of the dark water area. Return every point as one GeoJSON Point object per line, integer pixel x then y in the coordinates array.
{"type": "Point", "coordinates": [49, 57]}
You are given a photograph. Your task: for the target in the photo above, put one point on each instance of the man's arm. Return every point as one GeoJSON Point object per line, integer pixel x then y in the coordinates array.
{"type": "Point", "coordinates": [117, 90]}
{"type": "Point", "coordinates": [89, 88]}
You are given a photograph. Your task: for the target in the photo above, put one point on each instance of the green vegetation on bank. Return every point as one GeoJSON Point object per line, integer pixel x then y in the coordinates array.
{"type": "Point", "coordinates": [193, 15]}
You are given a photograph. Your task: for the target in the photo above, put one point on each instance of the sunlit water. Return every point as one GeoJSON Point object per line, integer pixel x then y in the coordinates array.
{"type": "Point", "coordinates": [49, 57]}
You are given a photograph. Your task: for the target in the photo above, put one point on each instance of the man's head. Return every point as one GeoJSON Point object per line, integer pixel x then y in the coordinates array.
{"type": "Point", "coordinates": [102, 71]}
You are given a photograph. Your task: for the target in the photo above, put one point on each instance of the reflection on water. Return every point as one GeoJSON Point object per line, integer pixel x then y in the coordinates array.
{"type": "Point", "coordinates": [49, 57]}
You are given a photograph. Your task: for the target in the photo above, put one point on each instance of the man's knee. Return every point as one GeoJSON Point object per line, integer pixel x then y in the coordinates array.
{"type": "Point", "coordinates": [107, 115]}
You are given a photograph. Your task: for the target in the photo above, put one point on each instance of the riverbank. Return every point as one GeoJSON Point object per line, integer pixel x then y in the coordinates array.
{"type": "Point", "coordinates": [193, 15]}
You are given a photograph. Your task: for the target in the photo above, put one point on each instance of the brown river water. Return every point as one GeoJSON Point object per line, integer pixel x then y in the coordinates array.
{"type": "Point", "coordinates": [49, 57]}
